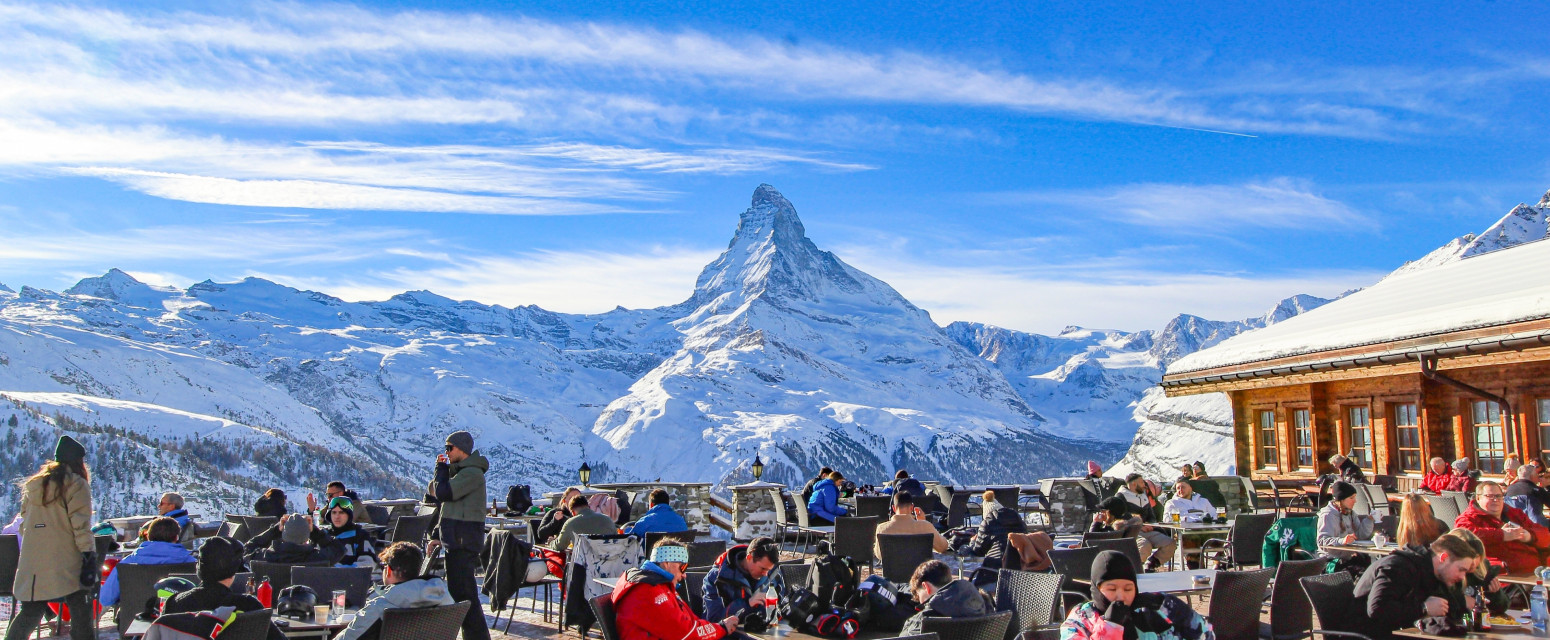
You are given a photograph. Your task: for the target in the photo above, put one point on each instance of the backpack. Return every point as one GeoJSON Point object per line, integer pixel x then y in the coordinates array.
{"type": "Point", "coordinates": [833, 578]}
{"type": "Point", "coordinates": [885, 607]}
{"type": "Point", "coordinates": [519, 498]}
{"type": "Point", "coordinates": [799, 608]}
{"type": "Point", "coordinates": [837, 624]}
{"type": "Point", "coordinates": [194, 625]}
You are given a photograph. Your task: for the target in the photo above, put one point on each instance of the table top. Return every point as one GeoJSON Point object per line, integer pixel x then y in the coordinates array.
{"type": "Point", "coordinates": [302, 626]}
{"type": "Point", "coordinates": [1175, 582]}
{"type": "Point", "coordinates": [784, 631]}
{"type": "Point", "coordinates": [1193, 526]}
{"type": "Point", "coordinates": [1523, 579]}
{"type": "Point", "coordinates": [391, 502]}
{"type": "Point", "coordinates": [1369, 550]}
{"type": "Point", "coordinates": [1497, 631]}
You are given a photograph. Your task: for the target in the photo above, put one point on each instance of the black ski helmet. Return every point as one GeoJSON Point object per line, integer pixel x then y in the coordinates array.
{"type": "Point", "coordinates": [296, 601]}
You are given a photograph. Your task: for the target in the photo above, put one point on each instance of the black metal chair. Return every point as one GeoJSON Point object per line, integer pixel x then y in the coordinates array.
{"type": "Point", "coordinates": [653, 537]}
{"type": "Point", "coordinates": [1291, 615]}
{"type": "Point", "coordinates": [1331, 595]}
{"type": "Point", "coordinates": [355, 581]}
{"type": "Point", "coordinates": [603, 608]}
{"type": "Point", "coordinates": [957, 509]}
{"type": "Point", "coordinates": [428, 623]}
{"type": "Point", "coordinates": [1007, 496]}
{"type": "Point", "coordinates": [256, 525]}
{"type": "Point", "coordinates": [411, 529]}
{"type": "Point", "coordinates": [991, 627]}
{"type": "Point", "coordinates": [694, 584]}
{"type": "Point", "coordinates": [873, 506]}
{"type": "Point", "coordinates": [1126, 546]}
{"type": "Point", "coordinates": [253, 625]}
{"type": "Point", "coordinates": [1088, 537]}
{"type": "Point", "coordinates": [278, 573]}
{"type": "Point", "coordinates": [903, 552]}
{"type": "Point", "coordinates": [1236, 598]}
{"type": "Point", "coordinates": [853, 538]}
{"type": "Point", "coordinates": [1245, 540]}
{"type": "Point", "coordinates": [1073, 564]}
{"type": "Point", "coordinates": [793, 575]}
{"type": "Point", "coordinates": [10, 556]}
{"type": "Point", "coordinates": [703, 553]}
{"type": "Point", "coordinates": [136, 586]}
{"type": "Point", "coordinates": [1034, 600]}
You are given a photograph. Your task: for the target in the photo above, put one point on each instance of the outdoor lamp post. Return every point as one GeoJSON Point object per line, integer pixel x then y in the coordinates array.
{"type": "Point", "coordinates": [757, 468]}
{"type": "Point", "coordinates": [586, 475]}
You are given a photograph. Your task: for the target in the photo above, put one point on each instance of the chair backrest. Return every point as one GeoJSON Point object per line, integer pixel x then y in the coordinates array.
{"type": "Point", "coordinates": [1236, 597]}
{"type": "Point", "coordinates": [1007, 496]}
{"type": "Point", "coordinates": [929, 503]}
{"type": "Point", "coordinates": [1247, 538]}
{"type": "Point", "coordinates": [104, 545]}
{"type": "Point", "coordinates": [1030, 596]}
{"type": "Point", "coordinates": [902, 553]}
{"type": "Point", "coordinates": [801, 510]}
{"type": "Point", "coordinates": [239, 583]}
{"type": "Point", "coordinates": [1089, 537]}
{"type": "Point", "coordinates": [793, 575]}
{"type": "Point", "coordinates": [1126, 546]}
{"type": "Point", "coordinates": [10, 555]}
{"type": "Point", "coordinates": [136, 584]}
{"type": "Point", "coordinates": [1068, 513]}
{"type": "Point", "coordinates": [853, 537]}
{"type": "Point", "coordinates": [1460, 500]}
{"type": "Point", "coordinates": [1073, 563]}
{"type": "Point", "coordinates": [278, 573]}
{"type": "Point", "coordinates": [779, 499]}
{"type": "Point", "coordinates": [653, 537]}
{"type": "Point", "coordinates": [703, 553]}
{"type": "Point", "coordinates": [958, 509]}
{"type": "Point", "coordinates": [1331, 595]}
{"type": "Point", "coordinates": [411, 529]}
{"type": "Point", "coordinates": [695, 580]}
{"type": "Point", "coordinates": [991, 627]}
{"type": "Point", "coordinates": [253, 625]}
{"type": "Point", "coordinates": [869, 506]}
{"type": "Point", "coordinates": [603, 608]}
{"type": "Point", "coordinates": [1291, 615]}
{"type": "Point", "coordinates": [355, 581]}
{"type": "Point", "coordinates": [430, 623]}
{"type": "Point", "coordinates": [257, 524]}
{"type": "Point", "coordinates": [378, 514]}
{"type": "Point", "coordinates": [1372, 500]}
{"type": "Point", "coordinates": [1444, 508]}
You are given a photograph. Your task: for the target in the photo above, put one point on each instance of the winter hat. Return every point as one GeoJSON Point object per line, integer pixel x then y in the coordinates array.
{"type": "Point", "coordinates": [295, 530]}
{"type": "Point", "coordinates": [1093, 469]}
{"type": "Point", "coordinates": [1109, 565]}
{"type": "Point", "coordinates": [670, 553]}
{"type": "Point", "coordinates": [1461, 465]}
{"type": "Point", "coordinates": [220, 558]}
{"type": "Point", "coordinates": [1342, 490]}
{"type": "Point", "coordinates": [68, 450]}
{"type": "Point", "coordinates": [462, 440]}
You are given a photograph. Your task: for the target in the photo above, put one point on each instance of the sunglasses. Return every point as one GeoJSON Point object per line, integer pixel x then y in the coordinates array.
{"type": "Point", "coordinates": [450, 448]}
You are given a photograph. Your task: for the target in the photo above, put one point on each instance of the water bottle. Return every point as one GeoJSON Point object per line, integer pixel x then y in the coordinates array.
{"type": "Point", "coordinates": [1536, 605]}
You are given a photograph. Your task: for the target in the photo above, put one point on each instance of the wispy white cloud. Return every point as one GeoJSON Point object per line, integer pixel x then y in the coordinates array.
{"type": "Point", "coordinates": [1277, 203]}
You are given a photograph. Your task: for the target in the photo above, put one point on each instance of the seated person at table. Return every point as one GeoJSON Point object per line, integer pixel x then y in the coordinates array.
{"type": "Point", "coordinates": [990, 540]}
{"type": "Point", "coordinates": [1118, 514]}
{"type": "Point", "coordinates": [1190, 506]}
{"type": "Point", "coordinates": [1418, 527]}
{"type": "Point", "coordinates": [1437, 477]}
{"type": "Point", "coordinates": [1412, 583]}
{"type": "Point", "coordinates": [171, 506]}
{"type": "Point", "coordinates": [272, 504]}
{"type": "Point", "coordinates": [1187, 473]}
{"type": "Point", "coordinates": [807, 489]}
{"type": "Point", "coordinates": [659, 518]}
{"type": "Point", "coordinates": [1525, 494]}
{"type": "Point", "coordinates": [824, 506]}
{"type": "Point", "coordinates": [293, 540]}
{"type": "Point", "coordinates": [219, 561]}
{"type": "Point", "coordinates": [1105, 485]}
{"type": "Point", "coordinates": [354, 542]}
{"type": "Point", "coordinates": [907, 519]}
{"type": "Point", "coordinates": [1484, 577]}
{"type": "Point", "coordinates": [735, 579]}
{"type": "Point", "coordinates": [405, 588]}
{"type": "Point", "coordinates": [1339, 524]}
{"type": "Point", "coordinates": [1509, 536]}
{"type": "Point", "coordinates": [1462, 479]}
{"type": "Point", "coordinates": [941, 596]}
{"type": "Point", "coordinates": [554, 520]}
{"type": "Point", "coordinates": [336, 489]}
{"type": "Point", "coordinates": [647, 606]}
{"type": "Point", "coordinates": [583, 521]}
{"type": "Point", "coordinates": [161, 547]}
{"type": "Point", "coordinates": [903, 482]}
{"type": "Point", "coordinates": [1117, 611]}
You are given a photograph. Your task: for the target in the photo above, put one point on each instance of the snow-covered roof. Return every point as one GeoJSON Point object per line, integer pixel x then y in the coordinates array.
{"type": "Point", "coordinates": [1495, 289]}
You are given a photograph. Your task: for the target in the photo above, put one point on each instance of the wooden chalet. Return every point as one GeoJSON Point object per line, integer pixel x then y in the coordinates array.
{"type": "Point", "coordinates": [1450, 361]}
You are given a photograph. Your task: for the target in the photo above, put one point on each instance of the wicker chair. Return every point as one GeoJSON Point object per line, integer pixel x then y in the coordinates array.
{"type": "Point", "coordinates": [1088, 537]}
{"type": "Point", "coordinates": [253, 625]}
{"type": "Point", "coordinates": [1291, 615]}
{"type": "Point", "coordinates": [1243, 544]}
{"type": "Point", "coordinates": [903, 552]}
{"type": "Point", "coordinates": [603, 608]}
{"type": "Point", "coordinates": [853, 537]}
{"type": "Point", "coordinates": [991, 627]}
{"type": "Point", "coordinates": [355, 581]}
{"type": "Point", "coordinates": [255, 525]}
{"type": "Point", "coordinates": [793, 575]}
{"type": "Point", "coordinates": [1444, 508]}
{"type": "Point", "coordinates": [136, 586]}
{"type": "Point", "coordinates": [1236, 597]}
{"type": "Point", "coordinates": [1330, 595]}
{"type": "Point", "coordinates": [694, 585]}
{"type": "Point", "coordinates": [428, 623]}
{"type": "Point", "coordinates": [278, 573]}
{"type": "Point", "coordinates": [1033, 598]}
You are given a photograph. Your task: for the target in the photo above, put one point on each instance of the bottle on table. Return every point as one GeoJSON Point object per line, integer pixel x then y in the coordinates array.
{"type": "Point", "coordinates": [1537, 605]}
{"type": "Point", "coordinates": [265, 594]}
{"type": "Point", "coordinates": [1482, 617]}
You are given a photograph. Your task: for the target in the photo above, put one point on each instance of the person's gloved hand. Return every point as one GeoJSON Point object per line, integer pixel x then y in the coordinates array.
{"type": "Point", "coordinates": [1117, 613]}
{"type": "Point", "coordinates": [91, 573]}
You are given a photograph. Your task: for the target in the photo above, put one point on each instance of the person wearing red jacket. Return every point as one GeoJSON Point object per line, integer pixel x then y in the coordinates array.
{"type": "Point", "coordinates": [1437, 478]}
{"type": "Point", "coordinates": [1461, 480]}
{"type": "Point", "coordinates": [1509, 536]}
{"type": "Point", "coordinates": [647, 606]}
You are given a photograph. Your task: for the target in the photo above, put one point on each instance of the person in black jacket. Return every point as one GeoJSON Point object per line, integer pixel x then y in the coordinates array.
{"type": "Point", "coordinates": [354, 542]}
{"type": "Point", "coordinates": [293, 540]}
{"type": "Point", "coordinates": [990, 540]}
{"type": "Point", "coordinates": [271, 504]}
{"type": "Point", "coordinates": [1411, 584]}
{"type": "Point", "coordinates": [554, 521]}
{"type": "Point", "coordinates": [903, 482]}
{"type": "Point", "coordinates": [219, 561]}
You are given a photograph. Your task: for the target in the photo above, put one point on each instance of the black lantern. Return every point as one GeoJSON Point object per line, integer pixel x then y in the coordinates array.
{"type": "Point", "coordinates": [586, 475]}
{"type": "Point", "coordinates": [757, 467]}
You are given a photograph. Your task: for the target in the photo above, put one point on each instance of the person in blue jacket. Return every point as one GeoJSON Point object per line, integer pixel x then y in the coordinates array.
{"type": "Point", "coordinates": [171, 506]}
{"type": "Point", "coordinates": [161, 547]}
{"type": "Point", "coordinates": [824, 506]}
{"type": "Point", "coordinates": [659, 518]}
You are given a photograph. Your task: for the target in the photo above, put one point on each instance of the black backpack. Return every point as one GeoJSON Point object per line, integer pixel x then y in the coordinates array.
{"type": "Point", "coordinates": [800, 608]}
{"type": "Point", "coordinates": [833, 578]}
{"type": "Point", "coordinates": [884, 606]}
{"type": "Point", "coordinates": [519, 498]}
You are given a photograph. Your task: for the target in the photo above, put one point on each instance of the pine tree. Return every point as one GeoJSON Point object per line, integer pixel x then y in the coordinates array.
{"type": "Point", "coordinates": [12, 421]}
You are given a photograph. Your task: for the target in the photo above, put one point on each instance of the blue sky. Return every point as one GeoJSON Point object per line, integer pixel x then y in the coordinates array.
{"type": "Point", "coordinates": [1031, 165]}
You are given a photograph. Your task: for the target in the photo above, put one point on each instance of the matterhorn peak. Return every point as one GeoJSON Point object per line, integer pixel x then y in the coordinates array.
{"type": "Point", "coordinates": [771, 215]}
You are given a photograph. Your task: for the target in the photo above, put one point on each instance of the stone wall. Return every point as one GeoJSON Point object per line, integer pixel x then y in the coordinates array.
{"type": "Point", "coordinates": [753, 510]}
{"type": "Point", "coordinates": [691, 500]}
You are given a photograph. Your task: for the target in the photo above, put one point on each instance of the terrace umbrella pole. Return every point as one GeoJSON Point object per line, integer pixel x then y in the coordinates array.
{"type": "Point", "coordinates": [1509, 424]}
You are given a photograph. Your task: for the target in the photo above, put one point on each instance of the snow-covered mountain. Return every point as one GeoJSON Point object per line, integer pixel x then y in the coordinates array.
{"type": "Point", "coordinates": [1523, 224]}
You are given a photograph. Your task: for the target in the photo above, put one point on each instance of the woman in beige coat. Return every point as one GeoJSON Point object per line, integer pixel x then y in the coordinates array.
{"type": "Point", "coordinates": [58, 561]}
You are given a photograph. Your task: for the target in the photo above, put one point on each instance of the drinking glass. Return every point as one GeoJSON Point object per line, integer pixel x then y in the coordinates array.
{"type": "Point", "coordinates": [1175, 517]}
{"type": "Point", "coordinates": [1221, 514]}
{"type": "Point", "coordinates": [338, 603]}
